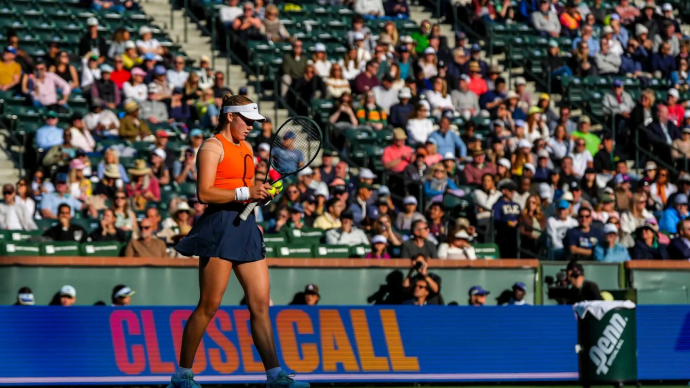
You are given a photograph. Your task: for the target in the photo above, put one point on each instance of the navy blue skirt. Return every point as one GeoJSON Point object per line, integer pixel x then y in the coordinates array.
{"type": "Point", "coordinates": [221, 233]}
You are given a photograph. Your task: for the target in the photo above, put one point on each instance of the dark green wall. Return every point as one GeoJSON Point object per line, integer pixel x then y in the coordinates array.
{"type": "Point", "coordinates": [178, 286]}
{"type": "Point", "coordinates": [661, 287]}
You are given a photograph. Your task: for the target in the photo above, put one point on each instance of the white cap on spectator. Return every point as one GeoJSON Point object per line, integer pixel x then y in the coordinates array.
{"type": "Point", "coordinates": [449, 156]}
{"type": "Point", "coordinates": [379, 239]}
{"type": "Point", "coordinates": [462, 234]}
{"type": "Point", "coordinates": [465, 78]}
{"type": "Point", "coordinates": [667, 7]}
{"type": "Point", "coordinates": [406, 39]}
{"type": "Point", "coordinates": [130, 45]}
{"type": "Point", "coordinates": [543, 154]}
{"type": "Point", "coordinates": [407, 93]}
{"type": "Point", "coordinates": [68, 290]}
{"type": "Point", "coordinates": [608, 190]}
{"type": "Point", "coordinates": [426, 104]}
{"type": "Point", "coordinates": [92, 21]}
{"type": "Point", "coordinates": [204, 58]}
{"type": "Point", "coordinates": [153, 88]}
{"type": "Point", "coordinates": [520, 81]}
{"type": "Point", "coordinates": [160, 153]}
{"type": "Point", "coordinates": [322, 190]}
{"type": "Point", "coordinates": [511, 95]}
{"type": "Point", "coordinates": [544, 190]}
{"type": "Point", "coordinates": [520, 123]}
{"type": "Point", "coordinates": [320, 47]}
{"type": "Point", "coordinates": [384, 191]}
{"type": "Point", "coordinates": [264, 147]}
{"type": "Point", "coordinates": [687, 114]}
{"type": "Point", "coordinates": [607, 30]}
{"type": "Point", "coordinates": [640, 29]}
{"type": "Point", "coordinates": [568, 196]}
{"type": "Point", "coordinates": [358, 36]}
{"type": "Point", "coordinates": [410, 200]}
{"type": "Point", "coordinates": [529, 166]}
{"type": "Point", "coordinates": [524, 143]}
{"type": "Point", "coordinates": [144, 30]}
{"type": "Point", "coordinates": [610, 228]}
{"type": "Point", "coordinates": [429, 50]}
{"type": "Point", "coordinates": [674, 92]}
{"type": "Point", "coordinates": [650, 166]}
{"type": "Point", "coordinates": [504, 162]}
{"type": "Point", "coordinates": [307, 171]}
{"type": "Point", "coordinates": [366, 173]}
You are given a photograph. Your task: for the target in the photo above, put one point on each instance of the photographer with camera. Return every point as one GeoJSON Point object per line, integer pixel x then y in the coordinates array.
{"type": "Point", "coordinates": [419, 270]}
{"type": "Point", "coordinates": [580, 289]}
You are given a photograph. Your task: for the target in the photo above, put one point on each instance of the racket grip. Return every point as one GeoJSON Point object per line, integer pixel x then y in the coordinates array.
{"type": "Point", "coordinates": [247, 211]}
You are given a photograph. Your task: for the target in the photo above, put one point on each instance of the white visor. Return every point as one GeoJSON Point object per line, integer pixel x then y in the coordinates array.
{"type": "Point", "coordinates": [250, 111]}
{"type": "Point", "coordinates": [124, 292]}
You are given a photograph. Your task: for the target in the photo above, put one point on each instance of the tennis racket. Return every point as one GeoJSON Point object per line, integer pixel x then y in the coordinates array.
{"type": "Point", "coordinates": [293, 148]}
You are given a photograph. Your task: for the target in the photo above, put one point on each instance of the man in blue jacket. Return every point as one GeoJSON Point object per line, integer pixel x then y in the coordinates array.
{"type": "Point", "coordinates": [663, 62]}
{"type": "Point", "coordinates": [673, 215]}
{"type": "Point", "coordinates": [447, 140]}
{"type": "Point", "coordinates": [679, 248]}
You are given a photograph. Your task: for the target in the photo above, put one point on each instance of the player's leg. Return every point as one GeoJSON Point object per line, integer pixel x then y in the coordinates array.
{"type": "Point", "coordinates": [214, 274]}
{"type": "Point", "coordinates": [253, 277]}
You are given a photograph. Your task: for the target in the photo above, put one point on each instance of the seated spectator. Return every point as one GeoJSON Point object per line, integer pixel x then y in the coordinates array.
{"type": "Point", "coordinates": [64, 230]}
{"type": "Point", "coordinates": [136, 89]}
{"type": "Point", "coordinates": [160, 231]}
{"type": "Point", "coordinates": [582, 61]}
{"type": "Point", "coordinates": [336, 83]}
{"type": "Point", "coordinates": [49, 135]}
{"type": "Point", "coordinates": [619, 102]}
{"type": "Point", "coordinates": [143, 186]}
{"type": "Point", "coordinates": [556, 228]}
{"type": "Point", "coordinates": [570, 20]}
{"type": "Point", "coordinates": [477, 296]}
{"type": "Point", "coordinates": [294, 65]}
{"type": "Point", "coordinates": [615, 46]}
{"type": "Point", "coordinates": [397, 156]}
{"type": "Point", "coordinates": [580, 241]}
{"type": "Point", "coordinates": [663, 63]}
{"type": "Point", "coordinates": [546, 21]}
{"type": "Point", "coordinates": [379, 245]}
{"type": "Point", "coordinates": [419, 126]}
{"type": "Point", "coordinates": [51, 201]}
{"type": "Point", "coordinates": [477, 84]}
{"type": "Point", "coordinates": [438, 184]}
{"type": "Point", "coordinates": [532, 222]}
{"type": "Point", "coordinates": [152, 110]}
{"type": "Point", "coordinates": [42, 88]}
{"type": "Point", "coordinates": [397, 9]}
{"type": "Point", "coordinates": [105, 89]}
{"type": "Point", "coordinates": [309, 86]}
{"type": "Point", "coordinates": [608, 62]}
{"type": "Point", "coordinates": [674, 214]}
{"type": "Point", "coordinates": [111, 157]}
{"type": "Point", "coordinates": [178, 112]}
{"type": "Point", "coordinates": [634, 218]}
{"type": "Point", "coordinates": [419, 243]}
{"type": "Point", "coordinates": [130, 57]}
{"type": "Point", "coordinates": [448, 141]}
{"type": "Point", "coordinates": [10, 70]}
{"type": "Point", "coordinates": [458, 248]}
{"type": "Point", "coordinates": [400, 111]}
{"type": "Point", "coordinates": [662, 189]}
{"type": "Point", "coordinates": [628, 13]}
{"type": "Point", "coordinates": [80, 186]}
{"type": "Point", "coordinates": [676, 111]}
{"type": "Point", "coordinates": [342, 111]}
{"type": "Point", "coordinates": [158, 167]}
{"type": "Point", "coordinates": [369, 8]}
{"type": "Point", "coordinates": [609, 250]}
{"type": "Point", "coordinates": [485, 196]}
{"type": "Point", "coordinates": [681, 147]}
{"type": "Point", "coordinates": [370, 113]}
{"type": "Point", "coordinates": [346, 234]}
{"type": "Point", "coordinates": [385, 94]}
{"type": "Point", "coordinates": [667, 35]}
{"type": "Point", "coordinates": [330, 219]}
{"type": "Point", "coordinates": [408, 216]}
{"type": "Point", "coordinates": [464, 100]}
{"type": "Point", "coordinates": [661, 132]}
{"type": "Point", "coordinates": [592, 141]}
{"type": "Point", "coordinates": [14, 214]}
{"type": "Point", "coordinates": [60, 155]}
{"type": "Point", "coordinates": [146, 245]}
{"type": "Point", "coordinates": [367, 80]}
{"type": "Point", "coordinates": [107, 187]}
{"type": "Point", "coordinates": [582, 159]}
{"type": "Point", "coordinates": [107, 231]}
{"type": "Point", "coordinates": [647, 245]}
{"type": "Point", "coordinates": [64, 70]}
{"type": "Point", "coordinates": [91, 41]}
{"type": "Point", "coordinates": [679, 248]}
{"type": "Point", "coordinates": [272, 26]}
{"type": "Point", "coordinates": [90, 70]}
{"type": "Point", "coordinates": [177, 76]}
{"type": "Point", "coordinates": [131, 128]}
{"type": "Point", "coordinates": [101, 120]}
{"type": "Point", "coordinates": [147, 43]}
{"type": "Point", "coordinates": [181, 221]}
{"type": "Point", "coordinates": [359, 207]}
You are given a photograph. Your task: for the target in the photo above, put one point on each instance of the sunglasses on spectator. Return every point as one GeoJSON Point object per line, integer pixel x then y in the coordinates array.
{"type": "Point", "coordinates": [420, 286]}
{"type": "Point", "coordinates": [145, 227]}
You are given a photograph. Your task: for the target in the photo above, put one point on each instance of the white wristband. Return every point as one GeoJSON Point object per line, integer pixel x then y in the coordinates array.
{"type": "Point", "coordinates": [242, 194]}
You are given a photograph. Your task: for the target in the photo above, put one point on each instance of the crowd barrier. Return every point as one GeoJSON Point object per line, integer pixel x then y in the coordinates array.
{"type": "Point", "coordinates": [140, 345]}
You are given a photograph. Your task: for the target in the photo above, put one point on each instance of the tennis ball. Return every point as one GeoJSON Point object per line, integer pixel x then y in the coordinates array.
{"type": "Point", "coordinates": [277, 188]}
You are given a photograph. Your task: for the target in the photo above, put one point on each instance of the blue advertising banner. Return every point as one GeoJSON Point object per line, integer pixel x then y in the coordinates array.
{"type": "Point", "coordinates": [663, 342]}
{"type": "Point", "coordinates": [104, 345]}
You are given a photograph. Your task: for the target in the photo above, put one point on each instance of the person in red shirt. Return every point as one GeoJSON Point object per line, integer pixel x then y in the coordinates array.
{"type": "Point", "coordinates": [477, 83]}
{"type": "Point", "coordinates": [676, 111]}
{"type": "Point", "coordinates": [397, 156]}
{"type": "Point", "coordinates": [120, 75]}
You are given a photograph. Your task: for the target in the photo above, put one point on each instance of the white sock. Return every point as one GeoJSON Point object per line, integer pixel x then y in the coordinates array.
{"type": "Point", "coordinates": [181, 371]}
{"type": "Point", "coordinates": [272, 374]}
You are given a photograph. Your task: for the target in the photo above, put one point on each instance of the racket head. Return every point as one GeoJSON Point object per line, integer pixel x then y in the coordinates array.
{"type": "Point", "coordinates": [299, 139]}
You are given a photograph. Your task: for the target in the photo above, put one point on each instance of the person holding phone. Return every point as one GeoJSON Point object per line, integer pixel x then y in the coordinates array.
{"type": "Point", "coordinates": [419, 270]}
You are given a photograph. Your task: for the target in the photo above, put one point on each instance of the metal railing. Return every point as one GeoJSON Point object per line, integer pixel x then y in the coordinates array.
{"type": "Point", "coordinates": [653, 156]}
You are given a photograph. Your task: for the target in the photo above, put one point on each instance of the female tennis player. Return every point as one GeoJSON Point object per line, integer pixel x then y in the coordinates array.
{"type": "Point", "coordinates": [225, 165]}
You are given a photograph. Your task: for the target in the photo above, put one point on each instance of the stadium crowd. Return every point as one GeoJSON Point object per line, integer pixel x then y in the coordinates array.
{"type": "Point", "coordinates": [539, 183]}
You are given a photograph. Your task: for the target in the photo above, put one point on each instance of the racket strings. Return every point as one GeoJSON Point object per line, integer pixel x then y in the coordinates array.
{"type": "Point", "coordinates": [295, 145]}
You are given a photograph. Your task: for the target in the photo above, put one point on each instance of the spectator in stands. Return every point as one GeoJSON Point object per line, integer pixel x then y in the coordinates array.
{"type": "Point", "coordinates": [570, 20]}
{"type": "Point", "coordinates": [438, 184]}
{"type": "Point", "coordinates": [580, 241]}
{"type": "Point", "coordinates": [177, 76]}
{"type": "Point", "coordinates": [91, 41]}
{"type": "Point", "coordinates": [219, 88]}
{"type": "Point", "coordinates": [130, 57]}
{"type": "Point", "coordinates": [42, 88]}
{"type": "Point", "coordinates": [330, 218]}
{"type": "Point", "coordinates": [111, 157]}
{"type": "Point", "coordinates": [556, 228]}
{"type": "Point", "coordinates": [80, 186]}
{"type": "Point", "coordinates": [663, 63]}
{"type": "Point", "coordinates": [546, 21]}
{"type": "Point", "coordinates": [118, 43]}
{"type": "Point", "coordinates": [10, 70]}
{"type": "Point", "coordinates": [532, 222]}
{"type": "Point", "coordinates": [272, 26]}
{"type": "Point", "coordinates": [414, 173]}
{"type": "Point", "coordinates": [67, 296]}
{"type": "Point", "coordinates": [379, 245]}
{"type": "Point", "coordinates": [647, 246]}
{"type": "Point", "coordinates": [185, 170]}
{"type": "Point", "coordinates": [158, 166]}
{"type": "Point", "coordinates": [591, 140]}
{"type": "Point", "coordinates": [398, 9]}
{"type": "Point", "coordinates": [105, 89]}
{"type": "Point", "coordinates": [153, 110]}
{"type": "Point", "coordinates": [336, 83]}
{"type": "Point", "coordinates": [385, 95]}
{"type": "Point", "coordinates": [359, 208]}
{"type": "Point", "coordinates": [458, 248]}
{"type": "Point", "coordinates": [143, 186]}
{"type": "Point", "coordinates": [14, 214]}
{"type": "Point", "coordinates": [107, 231]}
{"type": "Point", "coordinates": [90, 71]}
{"type": "Point", "coordinates": [180, 221]}
{"type": "Point", "coordinates": [24, 200]}
{"type": "Point", "coordinates": [607, 61]}
{"type": "Point", "coordinates": [125, 219]}
{"type": "Point", "coordinates": [477, 296]}
{"type": "Point", "coordinates": [615, 46]}
{"type": "Point", "coordinates": [409, 215]}
{"type": "Point", "coordinates": [342, 114]}
{"type": "Point", "coordinates": [147, 43]}
{"type": "Point", "coordinates": [475, 171]}
{"type": "Point", "coordinates": [438, 97]}
{"type": "Point", "coordinates": [662, 132]}
{"type": "Point", "coordinates": [476, 84]}
{"type": "Point", "coordinates": [62, 68]}
{"type": "Point", "coordinates": [308, 87]}
{"type": "Point", "coordinates": [628, 13]}
{"type": "Point", "coordinates": [420, 291]}
{"type": "Point", "coordinates": [674, 214]}
{"type": "Point", "coordinates": [582, 159]}
{"type": "Point", "coordinates": [136, 89]}
{"type": "Point", "coordinates": [619, 102]}
{"type": "Point", "coordinates": [397, 156]}
{"type": "Point", "coordinates": [65, 230]}
{"type": "Point", "coordinates": [679, 248]}
{"type": "Point", "coordinates": [447, 140]}
{"type": "Point", "coordinates": [146, 245]}
{"type": "Point", "coordinates": [367, 80]}
{"type": "Point", "coordinates": [178, 111]}
{"type": "Point", "coordinates": [369, 8]}
{"type": "Point", "coordinates": [121, 295]}
{"type": "Point", "coordinates": [248, 24]}
{"type": "Point", "coordinates": [419, 126]}
{"type": "Point", "coordinates": [464, 100]}
{"type": "Point", "coordinates": [634, 218]}
{"type": "Point", "coordinates": [106, 187]}
{"type": "Point", "coordinates": [49, 135]}
{"type": "Point", "coordinates": [131, 128]}
{"type": "Point", "coordinates": [662, 189]}
{"type": "Point", "coordinates": [505, 217]}
{"type": "Point", "coordinates": [400, 111]}
{"type": "Point", "coordinates": [347, 233]}
{"type": "Point", "coordinates": [676, 112]}
{"type": "Point", "coordinates": [667, 35]}
{"type": "Point", "coordinates": [582, 61]}
{"type": "Point", "coordinates": [681, 147]}
{"type": "Point", "coordinates": [294, 65]}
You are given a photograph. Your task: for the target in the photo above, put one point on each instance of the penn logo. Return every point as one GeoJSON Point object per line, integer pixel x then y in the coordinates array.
{"type": "Point", "coordinates": [604, 353]}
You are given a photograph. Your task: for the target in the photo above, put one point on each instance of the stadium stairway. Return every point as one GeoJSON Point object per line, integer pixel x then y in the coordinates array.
{"type": "Point", "coordinates": [9, 172]}
{"type": "Point", "coordinates": [197, 44]}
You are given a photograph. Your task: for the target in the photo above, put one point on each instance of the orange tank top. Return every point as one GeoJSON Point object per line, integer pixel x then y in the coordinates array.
{"type": "Point", "coordinates": [236, 169]}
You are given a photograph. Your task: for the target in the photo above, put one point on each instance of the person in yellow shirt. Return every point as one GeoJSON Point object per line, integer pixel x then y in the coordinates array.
{"type": "Point", "coordinates": [9, 69]}
{"type": "Point", "coordinates": [130, 57]}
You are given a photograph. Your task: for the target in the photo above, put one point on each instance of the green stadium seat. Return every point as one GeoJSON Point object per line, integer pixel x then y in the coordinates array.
{"type": "Point", "coordinates": [331, 251]}
{"type": "Point", "coordinates": [305, 235]}
{"type": "Point", "coordinates": [487, 251]}
{"type": "Point", "coordinates": [360, 250]}
{"type": "Point", "coordinates": [60, 248]}
{"type": "Point", "coordinates": [45, 224]}
{"type": "Point", "coordinates": [275, 238]}
{"type": "Point", "coordinates": [22, 235]}
{"type": "Point", "coordinates": [22, 248]}
{"type": "Point", "coordinates": [294, 251]}
{"type": "Point", "coordinates": [104, 249]}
